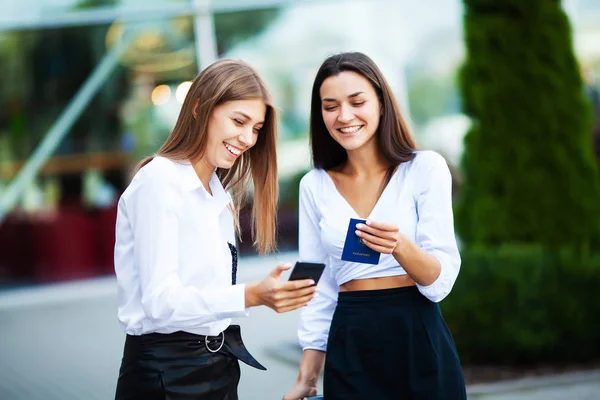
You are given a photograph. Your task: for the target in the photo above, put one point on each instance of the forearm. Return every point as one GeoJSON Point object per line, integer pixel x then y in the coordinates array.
{"type": "Point", "coordinates": [310, 366]}
{"type": "Point", "coordinates": [178, 306]}
{"type": "Point", "coordinates": [423, 268]}
{"type": "Point", "coordinates": [251, 298]}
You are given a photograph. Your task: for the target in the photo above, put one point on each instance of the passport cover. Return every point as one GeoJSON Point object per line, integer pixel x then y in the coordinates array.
{"type": "Point", "coordinates": [354, 250]}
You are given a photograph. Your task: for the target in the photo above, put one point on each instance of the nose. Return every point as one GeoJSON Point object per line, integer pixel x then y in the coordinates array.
{"type": "Point", "coordinates": [246, 137]}
{"type": "Point", "coordinates": [345, 114]}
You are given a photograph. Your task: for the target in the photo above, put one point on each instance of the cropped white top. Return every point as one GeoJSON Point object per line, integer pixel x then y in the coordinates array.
{"type": "Point", "coordinates": [418, 199]}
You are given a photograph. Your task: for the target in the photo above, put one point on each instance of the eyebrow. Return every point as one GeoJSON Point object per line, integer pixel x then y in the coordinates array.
{"type": "Point", "coordinates": [350, 96]}
{"type": "Point", "coordinates": [248, 117]}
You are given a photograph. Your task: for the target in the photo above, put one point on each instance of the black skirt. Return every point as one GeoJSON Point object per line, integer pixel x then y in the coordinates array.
{"type": "Point", "coordinates": [391, 344]}
{"type": "Point", "coordinates": [180, 366]}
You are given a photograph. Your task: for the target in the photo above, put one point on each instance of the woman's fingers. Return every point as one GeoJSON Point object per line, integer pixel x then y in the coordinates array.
{"type": "Point", "coordinates": [303, 292]}
{"type": "Point", "coordinates": [295, 285]}
{"type": "Point", "coordinates": [384, 242]}
{"type": "Point", "coordinates": [384, 234]}
{"type": "Point", "coordinates": [276, 272]}
{"type": "Point", "coordinates": [281, 294]}
{"type": "Point", "coordinates": [384, 226]}
{"type": "Point", "coordinates": [378, 248]}
{"type": "Point", "coordinates": [293, 304]}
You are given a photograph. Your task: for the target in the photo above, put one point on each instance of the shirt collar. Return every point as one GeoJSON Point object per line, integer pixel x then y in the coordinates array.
{"type": "Point", "coordinates": [220, 197]}
{"type": "Point", "coordinates": [191, 182]}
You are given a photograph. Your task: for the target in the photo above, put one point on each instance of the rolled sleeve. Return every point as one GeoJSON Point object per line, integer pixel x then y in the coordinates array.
{"type": "Point", "coordinates": [315, 318]}
{"type": "Point", "coordinates": [435, 226]}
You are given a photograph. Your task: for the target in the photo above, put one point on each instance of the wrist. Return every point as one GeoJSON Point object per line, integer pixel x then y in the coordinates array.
{"type": "Point", "coordinates": [309, 378]}
{"type": "Point", "coordinates": [310, 367]}
{"type": "Point", "coordinates": [251, 295]}
{"type": "Point", "coordinates": [402, 248]}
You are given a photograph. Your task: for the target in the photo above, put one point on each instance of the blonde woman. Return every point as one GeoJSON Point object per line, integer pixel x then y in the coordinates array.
{"type": "Point", "coordinates": [175, 257]}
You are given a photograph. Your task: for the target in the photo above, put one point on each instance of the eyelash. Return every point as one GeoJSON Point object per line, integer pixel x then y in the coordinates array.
{"type": "Point", "coordinates": [356, 104]}
{"type": "Point", "coordinates": [241, 123]}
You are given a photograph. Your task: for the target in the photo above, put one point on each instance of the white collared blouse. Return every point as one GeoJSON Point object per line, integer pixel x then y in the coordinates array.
{"type": "Point", "coordinates": [418, 199]}
{"type": "Point", "coordinates": [172, 260]}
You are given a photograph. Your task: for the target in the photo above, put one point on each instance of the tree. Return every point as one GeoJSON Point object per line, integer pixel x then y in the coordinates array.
{"type": "Point", "coordinates": [529, 169]}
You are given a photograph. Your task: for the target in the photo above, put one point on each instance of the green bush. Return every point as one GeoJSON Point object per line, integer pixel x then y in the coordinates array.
{"type": "Point", "coordinates": [529, 170]}
{"type": "Point", "coordinates": [525, 304]}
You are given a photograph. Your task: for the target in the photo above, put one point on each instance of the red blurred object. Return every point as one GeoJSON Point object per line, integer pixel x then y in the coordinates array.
{"type": "Point", "coordinates": [65, 246]}
{"type": "Point", "coordinates": [16, 258]}
{"type": "Point", "coordinates": [105, 231]}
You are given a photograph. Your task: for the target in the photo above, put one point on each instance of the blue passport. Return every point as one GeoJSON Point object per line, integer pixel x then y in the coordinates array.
{"type": "Point", "coordinates": [355, 250]}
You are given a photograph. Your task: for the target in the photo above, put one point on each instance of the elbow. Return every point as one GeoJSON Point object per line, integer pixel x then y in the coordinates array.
{"type": "Point", "coordinates": [438, 297]}
{"type": "Point", "coordinates": [441, 286]}
{"type": "Point", "coordinates": [432, 275]}
{"type": "Point", "coordinates": [436, 292]}
{"type": "Point", "coordinates": [157, 307]}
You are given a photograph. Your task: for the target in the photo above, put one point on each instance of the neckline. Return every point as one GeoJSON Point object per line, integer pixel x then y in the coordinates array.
{"type": "Point", "coordinates": [347, 203]}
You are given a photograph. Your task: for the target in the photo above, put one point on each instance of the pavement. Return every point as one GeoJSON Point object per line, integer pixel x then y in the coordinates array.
{"type": "Point", "coordinates": [63, 342]}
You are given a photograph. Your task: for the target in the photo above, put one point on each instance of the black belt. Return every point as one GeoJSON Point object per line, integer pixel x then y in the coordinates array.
{"type": "Point", "coordinates": [228, 341]}
{"type": "Point", "coordinates": [231, 341]}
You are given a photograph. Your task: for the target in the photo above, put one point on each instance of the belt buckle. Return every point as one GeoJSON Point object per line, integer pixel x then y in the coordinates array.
{"type": "Point", "coordinates": [220, 346]}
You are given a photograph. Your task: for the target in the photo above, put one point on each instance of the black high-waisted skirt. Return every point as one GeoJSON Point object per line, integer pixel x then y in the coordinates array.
{"type": "Point", "coordinates": [180, 366]}
{"type": "Point", "coordinates": [388, 345]}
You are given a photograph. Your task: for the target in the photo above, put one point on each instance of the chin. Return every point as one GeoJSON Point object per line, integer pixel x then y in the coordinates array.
{"type": "Point", "coordinates": [350, 145]}
{"type": "Point", "coordinates": [225, 164]}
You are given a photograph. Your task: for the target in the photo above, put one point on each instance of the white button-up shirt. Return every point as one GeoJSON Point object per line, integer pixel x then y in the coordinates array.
{"type": "Point", "coordinates": [172, 261]}
{"type": "Point", "coordinates": [418, 199]}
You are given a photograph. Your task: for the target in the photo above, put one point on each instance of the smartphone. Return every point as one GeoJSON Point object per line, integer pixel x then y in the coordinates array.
{"type": "Point", "coordinates": [307, 270]}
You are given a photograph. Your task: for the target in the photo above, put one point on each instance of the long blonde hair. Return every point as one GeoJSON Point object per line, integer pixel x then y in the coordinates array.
{"type": "Point", "coordinates": [229, 80]}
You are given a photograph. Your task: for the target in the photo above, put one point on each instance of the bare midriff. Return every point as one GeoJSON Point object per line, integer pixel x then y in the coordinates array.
{"type": "Point", "coordinates": [387, 282]}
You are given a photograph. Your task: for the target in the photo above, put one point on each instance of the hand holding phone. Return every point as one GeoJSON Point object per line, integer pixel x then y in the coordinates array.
{"type": "Point", "coordinates": [307, 270]}
{"type": "Point", "coordinates": [281, 296]}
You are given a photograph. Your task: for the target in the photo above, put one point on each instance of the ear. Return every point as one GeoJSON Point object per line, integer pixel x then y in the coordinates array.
{"type": "Point", "coordinates": [195, 109]}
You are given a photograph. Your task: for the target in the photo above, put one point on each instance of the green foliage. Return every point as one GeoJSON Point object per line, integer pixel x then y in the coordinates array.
{"type": "Point", "coordinates": [234, 27]}
{"type": "Point", "coordinates": [525, 304]}
{"type": "Point", "coordinates": [87, 4]}
{"type": "Point", "coordinates": [530, 174]}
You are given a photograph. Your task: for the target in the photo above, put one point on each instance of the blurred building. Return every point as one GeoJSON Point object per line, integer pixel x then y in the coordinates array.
{"type": "Point", "coordinates": [89, 87]}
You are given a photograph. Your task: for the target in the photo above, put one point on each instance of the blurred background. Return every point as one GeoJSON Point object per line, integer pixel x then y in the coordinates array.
{"type": "Point", "coordinates": [506, 90]}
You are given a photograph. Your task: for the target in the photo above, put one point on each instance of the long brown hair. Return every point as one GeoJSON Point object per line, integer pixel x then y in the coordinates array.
{"type": "Point", "coordinates": [229, 80]}
{"type": "Point", "coordinates": [394, 140]}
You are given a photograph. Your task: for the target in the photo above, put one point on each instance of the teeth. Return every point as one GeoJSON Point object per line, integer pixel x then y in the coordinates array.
{"type": "Point", "coordinates": [350, 129]}
{"type": "Point", "coordinates": [233, 149]}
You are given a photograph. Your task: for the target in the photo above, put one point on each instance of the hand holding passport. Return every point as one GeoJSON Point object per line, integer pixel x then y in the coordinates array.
{"type": "Point", "coordinates": [354, 250]}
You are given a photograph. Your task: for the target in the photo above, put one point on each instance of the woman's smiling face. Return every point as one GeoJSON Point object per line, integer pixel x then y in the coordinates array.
{"type": "Point", "coordinates": [351, 109]}
{"type": "Point", "coordinates": [233, 128]}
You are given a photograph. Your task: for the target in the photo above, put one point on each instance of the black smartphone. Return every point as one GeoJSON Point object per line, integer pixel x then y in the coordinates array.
{"type": "Point", "coordinates": [307, 270]}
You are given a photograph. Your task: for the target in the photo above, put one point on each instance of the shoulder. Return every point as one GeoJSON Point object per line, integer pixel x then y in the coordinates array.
{"type": "Point", "coordinates": [429, 158]}
{"type": "Point", "coordinates": [312, 179]}
{"type": "Point", "coordinates": [430, 170]}
{"type": "Point", "coordinates": [160, 171]}
{"type": "Point", "coordinates": [160, 168]}
{"type": "Point", "coordinates": [427, 162]}
{"type": "Point", "coordinates": [160, 175]}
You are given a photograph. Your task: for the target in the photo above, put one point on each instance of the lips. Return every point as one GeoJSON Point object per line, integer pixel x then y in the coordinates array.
{"type": "Point", "coordinates": [349, 130]}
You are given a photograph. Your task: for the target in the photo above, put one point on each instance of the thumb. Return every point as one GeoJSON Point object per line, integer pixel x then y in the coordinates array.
{"type": "Point", "coordinates": [276, 273]}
